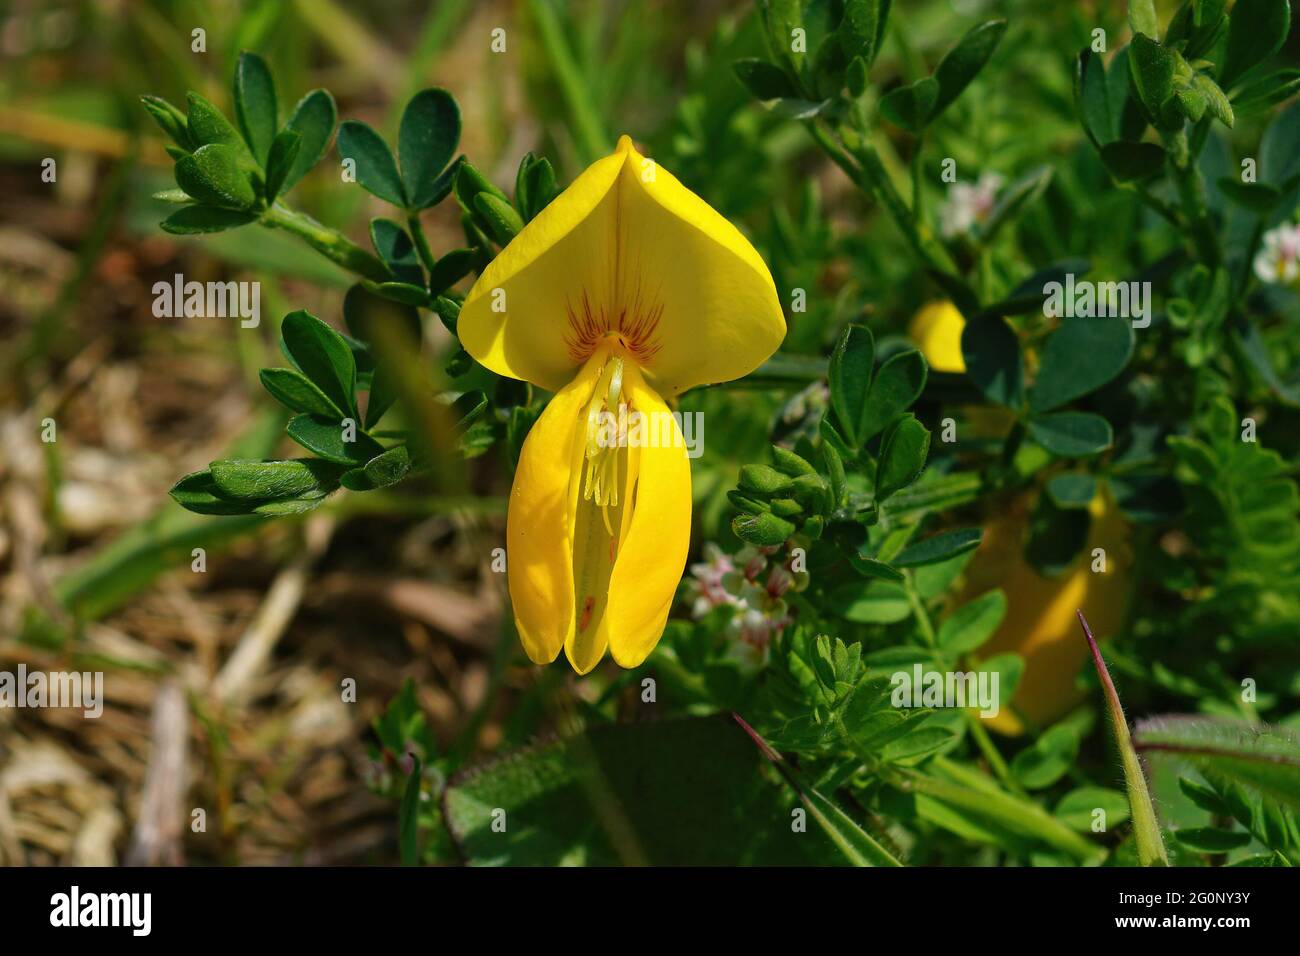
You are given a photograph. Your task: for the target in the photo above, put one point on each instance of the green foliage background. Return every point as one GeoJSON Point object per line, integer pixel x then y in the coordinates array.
{"type": "Point", "coordinates": [1121, 160]}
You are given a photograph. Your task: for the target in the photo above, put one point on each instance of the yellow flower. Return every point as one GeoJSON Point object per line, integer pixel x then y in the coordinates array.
{"type": "Point", "coordinates": [625, 291]}
{"type": "Point", "coordinates": [1040, 624]}
{"type": "Point", "coordinates": [936, 329]}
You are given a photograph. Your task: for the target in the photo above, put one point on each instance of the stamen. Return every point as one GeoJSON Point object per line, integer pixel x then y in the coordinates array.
{"type": "Point", "coordinates": [600, 474]}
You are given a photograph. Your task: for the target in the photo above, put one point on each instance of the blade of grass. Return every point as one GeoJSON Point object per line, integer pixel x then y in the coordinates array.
{"type": "Point", "coordinates": [1146, 829]}
{"type": "Point", "coordinates": [858, 846]}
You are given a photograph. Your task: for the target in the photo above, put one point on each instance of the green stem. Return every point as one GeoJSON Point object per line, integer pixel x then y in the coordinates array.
{"type": "Point", "coordinates": [919, 612]}
{"type": "Point", "coordinates": [421, 241]}
{"type": "Point", "coordinates": [869, 174]}
{"type": "Point", "coordinates": [328, 242]}
{"type": "Point", "coordinates": [990, 751]}
{"type": "Point", "coordinates": [1191, 193]}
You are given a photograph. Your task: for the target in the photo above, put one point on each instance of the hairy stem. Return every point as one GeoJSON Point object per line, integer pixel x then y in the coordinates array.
{"type": "Point", "coordinates": [328, 242]}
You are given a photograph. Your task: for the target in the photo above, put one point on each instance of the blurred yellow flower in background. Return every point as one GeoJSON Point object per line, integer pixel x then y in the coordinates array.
{"type": "Point", "coordinates": [1040, 623]}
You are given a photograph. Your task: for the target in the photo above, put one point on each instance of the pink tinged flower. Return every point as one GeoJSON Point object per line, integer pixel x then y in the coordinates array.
{"type": "Point", "coordinates": [1278, 260]}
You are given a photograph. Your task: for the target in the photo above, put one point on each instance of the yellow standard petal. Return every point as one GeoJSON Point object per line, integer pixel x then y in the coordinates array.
{"type": "Point", "coordinates": [625, 250]}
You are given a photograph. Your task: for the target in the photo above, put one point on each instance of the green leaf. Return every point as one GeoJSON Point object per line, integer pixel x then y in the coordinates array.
{"type": "Point", "coordinates": [1211, 839]}
{"type": "Point", "coordinates": [559, 800]}
{"type": "Point", "coordinates": [1132, 162]}
{"type": "Point", "coordinates": [1091, 99]}
{"type": "Point", "coordinates": [903, 452]}
{"type": "Point", "coordinates": [1077, 807]}
{"type": "Point", "coordinates": [1204, 797]}
{"type": "Point", "coordinates": [939, 547]}
{"type": "Point", "coordinates": [213, 176]}
{"type": "Point", "coordinates": [880, 602]}
{"type": "Point", "coordinates": [199, 493]}
{"type": "Point", "coordinates": [208, 125]}
{"type": "Point", "coordinates": [1266, 93]}
{"type": "Point", "coordinates": [450, 269]}
{"type": "Point", "coordinates": [1256, 30]}
{"type": "Point", "coordinates": [322, 355]}
{"type": "Point", "coordinates": [1080, 356]}
{"type": "Point", "coordinates": [312, 119]}
{"type": "Point", "coordinates": [1142, 17]}
{"type": "Point", "coordinates": [266, 480]}
{"type": "Point", "coordinates": [850, 379]}
{"type": "Point", "coordinates": [502, 222]}
{"type": "Point", "coordinates": [763, 80]}
{"type": "Point", "coordinates": [375, 166]}
{"type": "Point", "coordinates": [1267, 759]}
{"type": "Point", "coordinates": [910, 106]}
{"type": "Point", "coordinates": [325, 437]}
{"type": "Point", "coordinates": [991, 351]}
{"type": "Point", "coordinates": [1047, 760]}
{"type": "Point", "coordinates": [403, 292]}
{"type": "Point", "coordinates": [396, 249]}
{"type": "Point", "coordinates": [859, 29]}
{"type": "Point", "coordinates": [171, 120]}
{"type": "Point", "coordinates": [539, 188]}
{"type": "Point", "coordinates": [408, 817]}
{"type": "Point", "coordinates": [1146, 827]}
{"type": "Point", "coordinates": [255, 106]}
{"type": "Point", "coordinates": [1258, 198]}
{"type": "Point", "coordinates": [964, 62]}
{"type": "Point", "coordinates": [381, 471]}
{"type": "Point", "coordinates": [1152, 68]}
{"type": "Point", "coordinates": [198, 219]}
{"type": "Point", "coordinates": [426, 142]}
{"type": "Point", "coordinates": [973, 623]}
{"type": "Point", "coordinates": [896, 385]}
{"type": "Point", "coordinates": [1216, 101]}
{"type": "Point", "coordinates": [280, 162]}
{"type": "Point", "coordinates": [1073, 489]}
{"type": "Point", "coordinates": [294, 390]}
{"type": "Point", "coordinates": [872, 568]}
{"type": "Point", "coordinates": [1279, 148]}
{"type": "Point", "coordinates": [1071, 434]}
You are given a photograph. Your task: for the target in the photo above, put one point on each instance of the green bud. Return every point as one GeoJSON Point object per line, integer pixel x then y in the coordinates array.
{"type": "Point", "coordinates": [744, 503]}
{"type": "Point", "coordinates": [763, 480]}
{"type": "Point", "coordinates": [788, 463]}
{"type": "Point", "coordinates": [786, 507]}
{"type": "Point", "coordinates": [764, 530]}
{"type": "Point", "coordinates": [813, 491]}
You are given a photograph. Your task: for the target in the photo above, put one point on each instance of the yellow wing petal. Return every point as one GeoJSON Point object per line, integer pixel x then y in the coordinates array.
{"type": "Point", "coordinates": [652, 555]}
{"type": "Point", "coordinates": [539, 525]}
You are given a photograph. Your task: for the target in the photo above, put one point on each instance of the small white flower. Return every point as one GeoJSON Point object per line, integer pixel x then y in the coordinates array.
{"type": "Point", "coordinates": [969, 205]}
{"type": "Point", "coordinates": [1278, 260]}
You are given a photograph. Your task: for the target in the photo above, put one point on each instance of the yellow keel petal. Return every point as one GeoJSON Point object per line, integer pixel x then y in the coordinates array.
{"type": "Point", "coordinates": [652, 556]}
{"type": "Point", "coordinates": [539, 526]}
